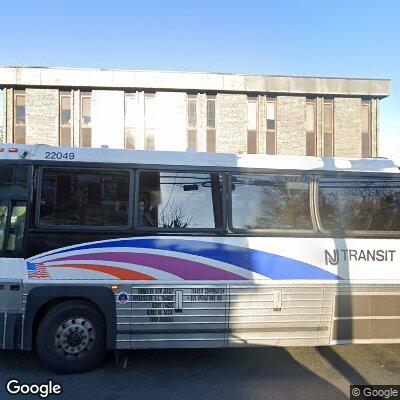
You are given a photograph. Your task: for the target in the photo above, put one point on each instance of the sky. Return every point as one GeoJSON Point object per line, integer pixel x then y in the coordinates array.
{"type": "Point", "coordinates": [307, 38]}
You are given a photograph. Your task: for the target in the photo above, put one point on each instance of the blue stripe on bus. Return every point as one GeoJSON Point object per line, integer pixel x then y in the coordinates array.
{"type": "Point", "coordinates": [270, 265]}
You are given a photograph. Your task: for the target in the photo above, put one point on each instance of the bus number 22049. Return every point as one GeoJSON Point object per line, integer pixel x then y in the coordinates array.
{"type": "Point", "coordinates": [58, 155]}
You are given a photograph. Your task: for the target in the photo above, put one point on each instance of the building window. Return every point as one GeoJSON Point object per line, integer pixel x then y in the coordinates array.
{"type": "Point", "coordinates": [366, 128]}
{"type": "Point", "coordinates": [19, 117]}
{"type": "Point", "coordinates": [252, 125]}
{"type": "Point", "coordinates": [271, 126]}
{"type": "Point", "coordinates": [86, 119]}
{"type": "Point", "coordinates": [328, 128]}
{"type": "Point", "coordinates": [130, 120]}
{"type": "Point", "coordinates": [311, 145]}
{"type": "Point", "coordinates": [211, 132]}
{"type": "Point", "coordinates": [192, 122]}
{"type": "Point", "coordinates": [149, 121]}
{"type": "Point", "coordinates": [65, 119]}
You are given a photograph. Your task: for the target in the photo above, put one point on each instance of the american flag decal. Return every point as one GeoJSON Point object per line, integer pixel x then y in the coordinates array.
{"type": "Point", "coordinates": [37, 270]}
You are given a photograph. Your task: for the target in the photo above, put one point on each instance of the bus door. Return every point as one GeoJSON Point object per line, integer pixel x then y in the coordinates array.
{"type": "Point", "coordinates": [13, 209]}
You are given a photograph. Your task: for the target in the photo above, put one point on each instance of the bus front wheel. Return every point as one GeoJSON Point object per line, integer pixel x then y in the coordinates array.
{"type": "Point", "coordinates": [72, 337]}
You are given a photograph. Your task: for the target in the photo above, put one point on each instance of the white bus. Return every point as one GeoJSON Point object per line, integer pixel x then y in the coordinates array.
{"type": "Point", "coordinates": [113, 249]}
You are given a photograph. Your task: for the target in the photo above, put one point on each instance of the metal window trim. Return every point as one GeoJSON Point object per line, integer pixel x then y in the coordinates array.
{"type": "Point", "coordinates": [62, 95]}
{"type": "Point", "coordinates": [212, 99]}
{"type": "Point", "coordinates": [15, 94]}
{"type": "Point", "coordinates": [85, 95]}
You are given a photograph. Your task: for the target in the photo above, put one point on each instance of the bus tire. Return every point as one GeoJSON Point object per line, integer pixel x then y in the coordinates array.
{"type": "Point", "coordinates": [72, 337]}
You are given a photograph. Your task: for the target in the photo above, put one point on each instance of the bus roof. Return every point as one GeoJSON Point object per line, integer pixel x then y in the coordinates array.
{"type": "Point", "coordinates": [194, 159]}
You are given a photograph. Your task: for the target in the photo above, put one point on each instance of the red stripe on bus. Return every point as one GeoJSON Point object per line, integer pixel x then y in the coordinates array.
{"type": "Point", "coordinates": [121, 273]}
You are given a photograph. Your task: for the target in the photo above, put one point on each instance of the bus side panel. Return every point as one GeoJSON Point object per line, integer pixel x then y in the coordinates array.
{"type": "Point", "coordinates": [183, 291]}
{"type": "Point", "coordinates": [179, 316]}
{"type": "Point", "coordinates": [279, 314]}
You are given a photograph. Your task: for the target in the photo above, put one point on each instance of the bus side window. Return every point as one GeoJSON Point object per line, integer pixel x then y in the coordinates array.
{"type": "Point", "coordinates": [359, 204]}
{"type": "Point", "coordinates": [179, 200]}
{"type": "Point", "coordinates": [84, 197]}
{"type": "Point", "coordinates": [270, 202]}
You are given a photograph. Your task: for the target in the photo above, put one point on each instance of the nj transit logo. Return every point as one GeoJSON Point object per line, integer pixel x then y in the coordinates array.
{"type": "Point", "coordinates": [335, 256]}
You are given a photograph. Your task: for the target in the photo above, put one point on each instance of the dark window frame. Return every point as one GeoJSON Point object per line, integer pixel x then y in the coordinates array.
{"type": "Point", "coordinates": [350, 233]}
{"type": "Point", "coordinates": [19, 129]}
{"type": "Point", "coordinates": [274, 232]}
{"type": "Point", "coordinates": [328, 102]}
{"type": "Point", "coordinates": [62, 126]}
{"type": "Point", "coordinates": [13, 198]}
{"type": "Point", "coordinates": [366, 135]}
{"type": "Point", "coordinates": [101, 228]}
{"type": "Point", "coordinates": [270, 134]}
{"type": "Point", "coordinates": [311, 135]}
{"type": "Point", "coordinates": [139, 228]}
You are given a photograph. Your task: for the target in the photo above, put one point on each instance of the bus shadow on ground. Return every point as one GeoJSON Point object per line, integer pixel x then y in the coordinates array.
{"type": "Point", "coordinates": [255, 373]}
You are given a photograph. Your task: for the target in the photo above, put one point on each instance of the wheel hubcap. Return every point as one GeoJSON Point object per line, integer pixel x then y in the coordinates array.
{"type": "Point", "coordinates": [75, 336]}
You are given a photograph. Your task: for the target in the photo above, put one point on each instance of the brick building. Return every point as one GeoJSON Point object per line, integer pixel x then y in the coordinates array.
{"type": "Point", "coordinates": [202, 111]}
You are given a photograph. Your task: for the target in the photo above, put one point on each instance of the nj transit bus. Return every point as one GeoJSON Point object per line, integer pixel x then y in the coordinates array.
{"type": "Point", "coordinates": [115, 249]}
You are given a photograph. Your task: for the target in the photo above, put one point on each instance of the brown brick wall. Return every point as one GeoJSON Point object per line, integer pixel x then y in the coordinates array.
{"type": "Point", "coordinates": [347, 127]}
{"type": "Point", "coordinates": [42, 108]}
{"type": "Point", "coordinates": [42, 119]}
{"type": "Point", "coordinates": [291, 125]}
{"type": "Point", "coordinates": [231, 123]}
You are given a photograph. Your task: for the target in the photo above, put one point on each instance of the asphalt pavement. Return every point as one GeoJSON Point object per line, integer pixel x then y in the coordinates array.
{"type": "Point", "coordinates": [255, 373]}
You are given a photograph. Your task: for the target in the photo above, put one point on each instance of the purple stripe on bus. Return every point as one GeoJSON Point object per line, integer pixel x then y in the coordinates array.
{"type": "Point", "coordinates": [185, 269]}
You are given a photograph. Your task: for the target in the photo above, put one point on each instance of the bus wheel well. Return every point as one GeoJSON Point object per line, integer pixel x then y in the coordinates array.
{"type": "Point", "coordinates": [43, 298]}
{"type": "Point", "coordinates": [46, 307]}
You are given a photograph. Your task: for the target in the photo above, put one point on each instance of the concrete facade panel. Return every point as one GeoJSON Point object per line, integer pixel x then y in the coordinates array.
{"type": "Point", "coordinates": [277, 84]}
{"type": "Point", "coordinates": [201, 122]}
{"type": "Point", "coordinates": [108, 118]}
{"type": "Point", "coordinates": [122, 79]}
{"type": "Point", "coordinates": [100, 79]}
{"type": "Point", "coordinates": [305, 85]}
{"type": "Point", "coordinates": [171, 131]}
{"type": "Point", "coordinates": [9, 121]}
{"type": "Point", "coordinates": [256, 83]}
{"type": "Point", "coordinates": [76, 117]}
{"type": "Point", "coordinates": [213, 82]}
{"type": "Point", "coordinates": [234, 82]}
{"type": "Point", "coordinates": [336, 86]}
